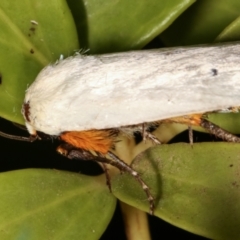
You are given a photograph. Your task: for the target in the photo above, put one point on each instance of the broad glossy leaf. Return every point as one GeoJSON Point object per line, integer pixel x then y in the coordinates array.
{"type": "Point", "coordinates": [202, 22]}
{"type": "Point", "coordinates": [33, 34]}
{"type": "Point", "coordinates": [230, 33]}
{"type": "Point", "coordinates": [52, 204]}
{"type": "Point", "coordinates": [110, 26]}
{"type": "Point", "coordinates": [227, 121]}
{"type": "Point", "coordinates": [196, 188]}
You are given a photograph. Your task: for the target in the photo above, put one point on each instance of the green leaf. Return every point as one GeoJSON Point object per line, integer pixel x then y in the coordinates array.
{"type": "Point", "coordinates": [51, 204]}
{"type": "Point", "coordinates": [202, 22]}
{"type": "Point", "coordinates": [196, 188]}
{"type": "Point", "coordinates": [227, 121]}
{"type": "Point", "coordinates": [231, 32]}
{"type": "Point", "coordinates": [26, 47]}
{"type": "Point", "coordinates": [110, 26]}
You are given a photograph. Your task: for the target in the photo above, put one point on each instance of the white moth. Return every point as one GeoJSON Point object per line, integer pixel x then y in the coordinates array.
{"type": "Point", "coordinates": [120, 89]}
{"type": "Point", "coordinates": [87, 100]}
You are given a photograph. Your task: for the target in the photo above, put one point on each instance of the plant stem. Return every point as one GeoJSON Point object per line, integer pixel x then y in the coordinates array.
{"type": "Point", "coordinates": [136, 223]}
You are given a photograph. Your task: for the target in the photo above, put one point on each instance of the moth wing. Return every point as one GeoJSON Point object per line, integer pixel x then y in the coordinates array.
{"type": "Point", "coordinates": [112, 90]}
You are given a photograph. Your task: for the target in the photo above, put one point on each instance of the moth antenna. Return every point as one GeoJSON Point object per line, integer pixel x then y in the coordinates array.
{"type": "Point", "coordinates": [72, 153]}
{"type": "Point", "coordinates": [18, 138]}
{"type": "Point", "coordinates": [219, 132]}
{"type": "Point", "coordinates": [22, 127]}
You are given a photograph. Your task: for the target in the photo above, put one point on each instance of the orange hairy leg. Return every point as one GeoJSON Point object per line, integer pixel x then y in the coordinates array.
{"type": "Point", "coordinates": [92, 140]}
{"type": "Point", "coordinates": [99, 141]}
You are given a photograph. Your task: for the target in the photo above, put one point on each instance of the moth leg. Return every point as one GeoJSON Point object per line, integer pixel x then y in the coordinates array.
{"type": "Point", "coordinates": [144, 132]}
{"type": "Point", "coordinates": [70, 152]}
{"type": "Point", "coordinates": [219, 132]}
{"type": "Point", "coordinates": [108, 179]}
{"type": "Point", "coordinates": [190, 135]}
{"type": "Point", "coordinates": [200, 120]}
{"type": "Point", "coordinates": [147, 135]}
{"type": "Point", "coordinates": [189, 120]}
{"type": "Point", "coordinates": [125, 167]}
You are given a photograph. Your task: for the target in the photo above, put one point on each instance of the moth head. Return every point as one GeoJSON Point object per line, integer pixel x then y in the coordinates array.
{"type": "Point", "coordinates": [26, 114]}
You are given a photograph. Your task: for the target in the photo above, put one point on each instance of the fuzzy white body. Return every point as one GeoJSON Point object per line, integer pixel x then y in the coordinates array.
{"type": "Point", "coordinates": [113, 90]}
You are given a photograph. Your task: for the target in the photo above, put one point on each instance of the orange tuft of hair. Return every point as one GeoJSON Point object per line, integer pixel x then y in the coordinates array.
{"type": "Point", "coordinates": [96, 140]}
{"type": "Point", "coordinates": [193, 120]}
